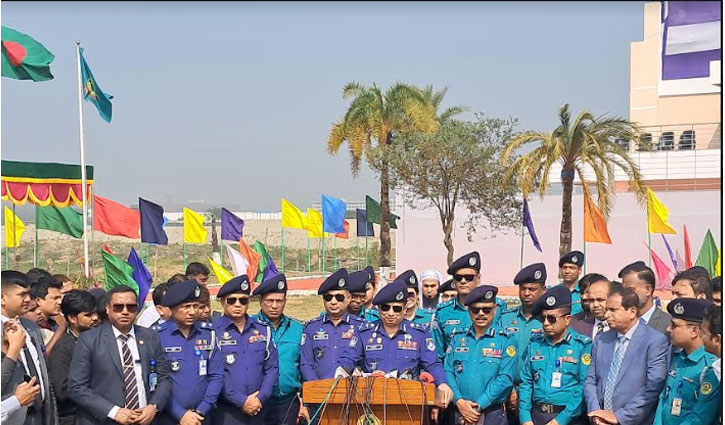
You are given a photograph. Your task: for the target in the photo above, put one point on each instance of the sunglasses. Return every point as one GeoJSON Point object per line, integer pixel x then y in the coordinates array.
{"type": "Point", "coordinates": [485, 310]}
{"type": "Point", "coordinates": [233, 300]}
{"type": "Point", "coordinates": [462, 277]}
{"type": "Point", "coordinates": [118, 308]}
{"type": "Point", "coordinates": [339, 297]}
{"type": "Point", "coordinates": [387, 307]}
{"type": "Point", "coordinates": [412, 294]}
{"type": "Point", "coordinates": [550, 318]}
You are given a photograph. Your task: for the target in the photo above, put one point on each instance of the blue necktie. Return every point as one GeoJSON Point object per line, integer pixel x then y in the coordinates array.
{"type": "Point", "coordinates": [614, 372]}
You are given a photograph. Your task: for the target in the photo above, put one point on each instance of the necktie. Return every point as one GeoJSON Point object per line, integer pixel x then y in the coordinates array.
{"type": "Point", "coordinates": [33, 371]}
{"type": "Point", "coordinates": [614, 372]}
{"type": "Point", "coordinates": [600, 327]}
{"type": "Point", "coordinates": [130, 389]}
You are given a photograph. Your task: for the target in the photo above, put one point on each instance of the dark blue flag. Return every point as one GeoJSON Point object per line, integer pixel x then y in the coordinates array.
{"type": "Point", "coordinates": [141, 275]}
{"type": "Point", "coordinates": [271, 270]}
{"type": "Point", "coordinates": [530, 225]}
{"type": "Point", "coordinates": [361, 218]}
{"type": "Point", "coordinates": [333, 214]}
{"type": "Point", "coordinates": [231, 226]}
{"type": "Point", "coordinates": [152, 222]}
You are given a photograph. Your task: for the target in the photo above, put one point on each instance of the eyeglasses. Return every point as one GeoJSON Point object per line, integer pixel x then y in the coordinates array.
{"type": "Point", "coordinates": [462, 277]}
{"type": "Point", "coordinates": [118, 308]}
{"type": "Point", "coordinates": [387, 307]}
{"type": "Point", "coordinates": [550, 318]}
{"type": "Point", "coordinates": [485, 310]}
{"type": "Point", "coordinates": [233, 300]}
{"type": "Point", "coordinates": [674, 325]}
{"type": "Point", "coordinates": [412, 294]}
{"type": "Point", "coordinates": [339, 297]}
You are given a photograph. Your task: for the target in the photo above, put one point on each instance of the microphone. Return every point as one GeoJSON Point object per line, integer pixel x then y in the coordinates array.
{"type": "Point", "coordinates": [426, 377]}
{"type": "Point", "coordinates": [407, 374]}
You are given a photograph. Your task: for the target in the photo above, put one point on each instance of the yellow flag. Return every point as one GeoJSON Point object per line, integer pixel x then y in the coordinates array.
{"type": "Point", "coordinates": [718, 265]}
{"type": "Point", "coordinates": [292, 216]}
{"type": "Point", "coordinates": [194, 231]}
{"type": "Point", "coordinates": [314, 224]}
{"type": "Point", "coordinates": [657, 215]}
{"type": "Point", "coordinates": [13, 233]}
{"type": "Point", "coordinates": [222, 275]}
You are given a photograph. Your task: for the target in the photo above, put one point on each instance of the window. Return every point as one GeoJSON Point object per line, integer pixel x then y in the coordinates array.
{"type": "Point", "coordinates": [687, 140]}
{"type": "Point", "coordinates": [622, 142]}
{"type": "Point", "coordinates": [645, 142]}
{"type": "Point", "coordinates": [667, 141]}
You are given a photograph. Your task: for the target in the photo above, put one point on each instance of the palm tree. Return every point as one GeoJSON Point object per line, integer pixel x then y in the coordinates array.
{"type": "Point", "coordinates": [435, 98]}
{"type": "Point", "coordinates": [587, 144]}
{"type": "Point", "coordinates": [370, 123]}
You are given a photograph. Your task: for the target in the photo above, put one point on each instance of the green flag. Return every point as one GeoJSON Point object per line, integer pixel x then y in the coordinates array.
{"type": "Point", "coordinates": [707, 257]}
{"type": "Point", "coordinates": [263, 262]}
{"type": "Point", "coordinates": [118, 272]}
{"type": "Point", "coordinates": [93, 93]}
{"type": "Point", "coordinates": [23, 58]}
{"type": "Point", "coordinates": [64, 220]}
{"type": "Point", "coordinates": [372, 211]}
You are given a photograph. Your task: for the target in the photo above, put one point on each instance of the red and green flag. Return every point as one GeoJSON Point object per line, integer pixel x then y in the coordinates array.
{"type": "Point", "coordinates": [23, 58]}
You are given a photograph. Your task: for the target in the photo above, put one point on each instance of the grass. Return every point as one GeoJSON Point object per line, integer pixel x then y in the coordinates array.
{"type": "Point", "coordinates": [300, 307]}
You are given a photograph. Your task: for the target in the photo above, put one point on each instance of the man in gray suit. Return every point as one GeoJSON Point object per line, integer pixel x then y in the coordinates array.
{"type": "Point", "coordinates": [15, 302]}
{"type": "Point", "coordinates": [641, 279]}
{"type": "Point", "coordinates": [629, 365]}
{"type": "Point", "coordinates": [119, 373]}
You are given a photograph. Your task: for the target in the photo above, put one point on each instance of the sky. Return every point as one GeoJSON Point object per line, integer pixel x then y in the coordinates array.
{"type": "Point", "coordinates": [232, 103]}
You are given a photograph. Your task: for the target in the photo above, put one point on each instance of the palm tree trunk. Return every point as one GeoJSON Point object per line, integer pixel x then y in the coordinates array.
{"type": "Point", "coordinates": [567, 181]}
{"type": "Point", "coordinates": [384, 215]}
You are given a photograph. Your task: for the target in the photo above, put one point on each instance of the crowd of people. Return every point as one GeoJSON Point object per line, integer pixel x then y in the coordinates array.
{"type": "Point", "coordinates": [587, 350]}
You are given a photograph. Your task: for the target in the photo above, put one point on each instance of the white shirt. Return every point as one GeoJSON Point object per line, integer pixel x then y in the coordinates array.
{"type": "Point", "coordinates": [596, 327]}
{"type": "Point", "coordinates": [132, 345]}
{"type": "Point", "coordinates": [148, 316]}
{"type": "Point", "coordinates": [648, 314]}
{"type": "Point", "coordinates": [33, 354]}
{"type": "Point", "coordinates": [717, 367]}
{"type": "Point", "coordinates": [9, 406]}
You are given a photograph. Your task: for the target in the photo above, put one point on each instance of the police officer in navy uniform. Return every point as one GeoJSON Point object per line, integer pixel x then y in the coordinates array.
{"type": "Point", "coordinates": [413, 311]}
{"type": "Point", "coordinates": [283, 406]}
{"type": "Point", "coordinates": [358, 285]}
{"type": "Point", "coordinates": [570, 268]}
{"type": "Point", "coordinates": [555, 366]}
{"type": "Point", "coordinates": [193, 358]}
{"type": "Point", "coordinates": [480, 363]}
{"type": "Point", "coordinates": [326, 338]}
{"type": "Point", "coordinates": [249, 356]}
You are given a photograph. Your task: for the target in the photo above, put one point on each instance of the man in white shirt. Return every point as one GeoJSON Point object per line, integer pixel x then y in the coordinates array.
{"type": "Point", "coordinates": [641, 279]}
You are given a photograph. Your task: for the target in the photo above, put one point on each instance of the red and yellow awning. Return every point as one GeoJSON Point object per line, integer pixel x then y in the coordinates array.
{"type": "Point", "coordinates": [44, 184]}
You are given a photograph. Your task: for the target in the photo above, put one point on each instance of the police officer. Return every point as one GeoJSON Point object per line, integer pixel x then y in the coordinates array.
{"type": "Point", "coordinates": [480, 363]}
{"type": "Point", "coordinates": [393, 343]}
{"type": "Point", "coordinates": [359, 285]}
{"type": "Point", "coordinates": [327, 337]}
{"type": "Point", "coordinates": [370, 314]}
{"type": "Point", "coordinates": [447, 291]}
{"type": "Point", "coordinates": [570, 268]}
{"type": "Point", "coordinates": [520, 321]}
{"type": "Point", "coordinates": [412, 311]}
{"type": "Point", "coordinates": [692, 391]}
{"type": "Point", "coordinates": [193, 358]}
{"type": "Point", "coordinates": [555, 366]}
{"type": "Point", "coordinates": [249, 355]}
{"type": "Point", "coordinates": [283, 406]}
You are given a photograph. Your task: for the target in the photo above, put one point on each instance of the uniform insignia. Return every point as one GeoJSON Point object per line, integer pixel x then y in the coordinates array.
{"type": "Point", "coordinates": [197, 292]}
{"type": "Point", "coordinates": [140, 342]}
{"type": "Point", "coordinates": [320, 336]}
{"type": "Point", "coordinates": [353, 342]}
{"type": "Point", "coordinates": [173, 349]}
{"type": "Point", "coordinates": [379, 340]}
{"type": "Point", "coordinates": [204, 347]}
{"type": "Point", "coordinates": [463, 341]}
{"type": "Point", "coordinates": [462, 349]}
{"type": "Point", "coordinates": [226, 335]}
{"type": "Point", "coordinates": [373, 347]}
{"type": "Point", "coordinates": [453, 322]}
{"type": "Point", "coordinates": [575, 259]}
{"type": "Point", "coordinates": [175, 366]}
{"type": "Point", "coordinates": [706, 388]}
{"type": "Point", "coordinates": [540, 357]}
{"type": "Point", "coordinates": [537, 274]}
{"type": "Point", "coordinates": [511, 350]}
{"type": "Point", "coordinates": [244, 286]}
{"type": "Point", "coordinates": [304, 339]}
{"type": "Point", "coordinates": [569, 359]}
{"type": "Point", "coordinates": [430, 344]}
{"type": "Point", "coordinates": [672, 373]}
{"type": "Point", "coordinates": [488, 295]}
{"type": "Point", "coordinates": [678, 308]}
{"type": "Point", "coordinates": [514, 322]}
{"type": "Point", "coordinates": [472, 261]}
{"type": "Point", "coordinates": [255, 332]}
{"type": "Point", "coordinates": [373, 365]}
{"type": "Point", "coordinates": [230, 358]}
{"type": "Point", "coordinates": [280, 285]}
{"type": "Point", "coordinates": [569, 351]}
{"type": "Point", "coordinates": [586, 359]}
{"type": "Point", "coordinates": [399, 296]}
{"type": "Point", "coordinates": [341, 282]}
{"type": "Point", "coordinates": [550, 300]}
{"type": "Point", "coordinates": [412, 279]}
{"type": "Point", "coordinates": [458, 365]}
{"type": "Point", "coordinates": [407, 345]}
{"type": "Point", "coordinates": [512, 329]}
{"type": "Point", "coordinates": [228, 342]}
{"type": "Point", "coordinates": [490, 352]}
{"type": "Point", "coordinates": [319, 352]}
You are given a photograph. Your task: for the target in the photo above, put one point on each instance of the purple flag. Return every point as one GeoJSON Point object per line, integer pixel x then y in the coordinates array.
{"type": "Point", "coordinates": [669, 251]}
{"type": "Point", "coordinates": [152, 222]}
{"type": "Point", "coordinates": [141, 275]}
{"type": "Point", "coordinates": [680, 261]}
{"type": "Point", "coordinates": [231, 226]}
{"type": "Point", "coordinates": [530, 225]}
{"type": "Point", "coordinates": [271, 270]}
{"type": "Point", "coordinates": [690, 38]}
{"type": "Point", "coordinates": [361, 218]}
{"type": "Point", "coordinates": [333, 214]}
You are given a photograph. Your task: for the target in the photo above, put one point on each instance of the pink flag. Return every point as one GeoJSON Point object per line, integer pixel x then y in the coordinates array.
{"type": "Point", "coordinates": [663, 272]}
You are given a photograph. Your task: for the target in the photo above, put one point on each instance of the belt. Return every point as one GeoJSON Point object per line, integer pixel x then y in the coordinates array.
{"type": "Point", "coordinates": [548, 407]}
{"type": "Point", "coordinates": [492, 408]}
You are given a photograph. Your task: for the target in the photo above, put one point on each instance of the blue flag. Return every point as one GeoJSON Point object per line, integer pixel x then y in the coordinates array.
{"type": "Point", "coordinates": [530, 225]}
{"type": "Point", "coordinates": [231, 226]}
{"type": "Point", "coordinates": [271, 270]}
{"type": "Point", "coordinates": [93, 93]}
{"type": "Point", "coordinates": [141, 275]}
{"type": "Point", "coordinates": [333, 214]}
{"type": "Point", "coordinates": [152, 221]}
{"type": "Point", "coordinates": [361, 218]}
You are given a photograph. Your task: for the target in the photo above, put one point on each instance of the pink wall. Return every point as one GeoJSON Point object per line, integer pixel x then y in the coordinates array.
{"type": "Point", "coordinates": [420, 238]}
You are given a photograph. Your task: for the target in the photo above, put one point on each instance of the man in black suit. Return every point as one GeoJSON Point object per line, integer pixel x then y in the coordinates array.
{"type": "Point", "coordinates": [15, 302]}
{"type": "Point", "coordinates": [119, 373]}
{"type": "Point", "coordinates": [641, 279]}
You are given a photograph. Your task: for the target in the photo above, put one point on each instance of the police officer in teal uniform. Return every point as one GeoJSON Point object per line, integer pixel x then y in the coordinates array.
{"type": "Point", "coordinates": [480, 363]}
{"type": "Point", "coordinates": [555, 366]}
{"type": "Point", "coordinates": [692, 391]}
{"type": "Point", "coordinates": [250, 358]}
{"type": "Point", "coordinates": [359, 284]}
{"type": "Point", "coordinates": [283, 407]}
{"type": "Point", "coordinates": [447, 292]}
{"type": "Point", "coordinates": [570, 268]}
{"type": "Point", "coordinates": [193, 358]}
{"type": "Point", "coordinates": [412, 311]}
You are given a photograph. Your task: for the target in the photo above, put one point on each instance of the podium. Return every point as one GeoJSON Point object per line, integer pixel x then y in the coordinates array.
{"type": "Point", "coordinates": [392, 401]}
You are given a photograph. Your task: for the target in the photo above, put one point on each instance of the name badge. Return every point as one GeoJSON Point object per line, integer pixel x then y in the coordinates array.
{"type": "Point", "coordinates": [512, 329]}
{"type": "Point", "coordinates": [676, 407]}
{"type": "Point", "coordinates": [373, 347]}
{"type": "Point", "coordinates": [228, 342]}
{"type": "Point", "coordinates": [536, 358]}
{"type": "Point", "coordinates": [320, 337]}
{"type": "Point", "coordinates": [204, 347]}
{"type": "Point", "coordinates": [202, 367]}
{"type": "Point", "coordinates": [453, 322]}
{"type": "Point", "coordinates": [173, 349]}
{"type": "Point", "coordinates": [556, 380]}
{"type": "Point", "coordinates": [461, 349]}
{"type": "Point", "coordinates": [153, 379]}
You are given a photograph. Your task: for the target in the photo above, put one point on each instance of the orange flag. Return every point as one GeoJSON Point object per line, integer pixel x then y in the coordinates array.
{"type": "Point", "coordinates": [252, 257]}
{"type": "Point", "coordinates": [595, 227]}
{"type": "Point", "coordinates": [345, 235]}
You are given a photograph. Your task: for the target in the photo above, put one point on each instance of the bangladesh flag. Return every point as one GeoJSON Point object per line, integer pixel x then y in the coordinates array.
{"type": "Point", "coordinates": [23, 58]}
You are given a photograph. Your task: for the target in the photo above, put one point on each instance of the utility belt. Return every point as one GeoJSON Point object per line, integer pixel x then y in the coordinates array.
{"type": "Point", "coordinates": [548, 408]}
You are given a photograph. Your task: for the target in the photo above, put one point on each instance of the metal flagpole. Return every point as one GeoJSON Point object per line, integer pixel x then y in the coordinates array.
{"type": "Point", "coordinates": [16, 242]}
{"type": "Point", "coordinates": [283, 270]}
{"type": "Point", "coordinates": [183, 244]}
{"type": "Point", "coordinates": [83, 161]}
{"type": "Point", "coordinates": [521, 258]}
{"type": "Point", "coordinates": [36, 248]}
{"type": "Point", "coordinates": [7, 250]}
{"type": "Point", "coordinates": [334, 243]}
{"type": "Point", "coordinates": [324, 265]}
{"type": "Point", "coordinates": [367, 262]}
{"type": "Point", "coordinates": [649, 247]}
{"type": "Point", "coordinates": [357, 243]}
{"type": "Point", "coordinates": [309, 256]}
{"type": "Point", "coordinates": [93, 239]}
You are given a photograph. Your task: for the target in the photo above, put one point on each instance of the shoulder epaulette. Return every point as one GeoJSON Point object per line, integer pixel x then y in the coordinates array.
{"type": "Point", "coordinates": [417, 326]}
{"type": "Point", "coordinates": [505, 332]}
{"type": "Point", "coordinates": [157, 328]}
{"type": "Point", "coordinates": [458, 330]}
{"type": "Point", "coordinates": [314, 319]}
{"type": "Point", "coordinates": [444, 305]}
{"type": "Point", "coordinates": [365, 326]}
{"type": "Point", "coordinates": [204, 325]}
{"type": "Point", "coordinates": [581, 338]}
{"type": "Point", "coordinates": [538, 337]}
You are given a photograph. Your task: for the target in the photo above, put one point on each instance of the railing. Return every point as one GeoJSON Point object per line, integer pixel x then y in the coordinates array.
{"type": "Point", "coordinates": [677, 137]}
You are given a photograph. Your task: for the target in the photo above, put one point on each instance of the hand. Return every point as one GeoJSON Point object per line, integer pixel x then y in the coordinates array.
{"type": "Point", "coordinates": [60, 321]}
{"type": "Point", "coordinates": [191, 418]}
{"type": "Point", "coordinates": [26, 392]}
{"type": "Point", "coordinates": [145, 415]}
{"type": "Point", "coordinates": [304, 414]}
{"type": "Point", "coordinates": [125, 416]}
{"type": "Point", "coordinates": [434, 415]}
{"type": "Point", "coordinates": [447, 395]}
{"type": "Point", "coordinates": [15, 334]}
{"type": "Point", "coordinates": [252, 405]}
{"type": "Point", "coordinates": [469, 413]}
{"type": "Point", "coordinates": [552, 422]}
{"type": "Point", "coordinates": [513, 400]}
{"type": "Point", "coordinates": [604, 417]}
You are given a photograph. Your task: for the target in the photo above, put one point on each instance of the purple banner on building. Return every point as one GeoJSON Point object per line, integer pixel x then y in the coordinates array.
{"type": "Point", "coordinates": [691, 38]}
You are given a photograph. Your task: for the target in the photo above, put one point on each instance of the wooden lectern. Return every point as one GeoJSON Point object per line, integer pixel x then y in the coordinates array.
{"type": "Point", "coordinates": [392, 401]}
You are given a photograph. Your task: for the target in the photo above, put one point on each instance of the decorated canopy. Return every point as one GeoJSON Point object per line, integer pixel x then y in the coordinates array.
{"type": "Point", "coordinates": [44, 183]}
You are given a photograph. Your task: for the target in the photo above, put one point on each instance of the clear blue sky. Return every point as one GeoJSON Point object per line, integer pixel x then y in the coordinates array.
{"type": "Point", "coordinates": [232, 102]}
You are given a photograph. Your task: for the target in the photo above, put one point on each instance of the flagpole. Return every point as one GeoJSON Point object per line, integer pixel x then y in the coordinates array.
{"type": "Point", "coordinates": [649, 247]}
{"type": "Point", "coordinates": [585, 256]}
{"type": "Point", "coordinates": [7, 250]}
{"type": "Point", "coordinates": [324, 265]}
{"type": "Point", "coordinates": [83, 161]}
{"type": "Point", "coordinates": [16, 242]}
{"type": "Point", "coordinates": [36, 250]}
{"type": "Point", "coordinates": [93, 218]}
{"type": "Point", "coordinates": [521, 257]}
{"type": "Point", "coordinates": [357, 244]}
{"type": "Point", "coordinates": [283, 270]}
{"type": "Point", "coordinates": [309, 256]}
{"type": "Point", "coordinates": [183, 244]}
{"type": "Point", "coordinates": [366, 243]}
{"type": "Point", "coordinates": [334, 243]}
